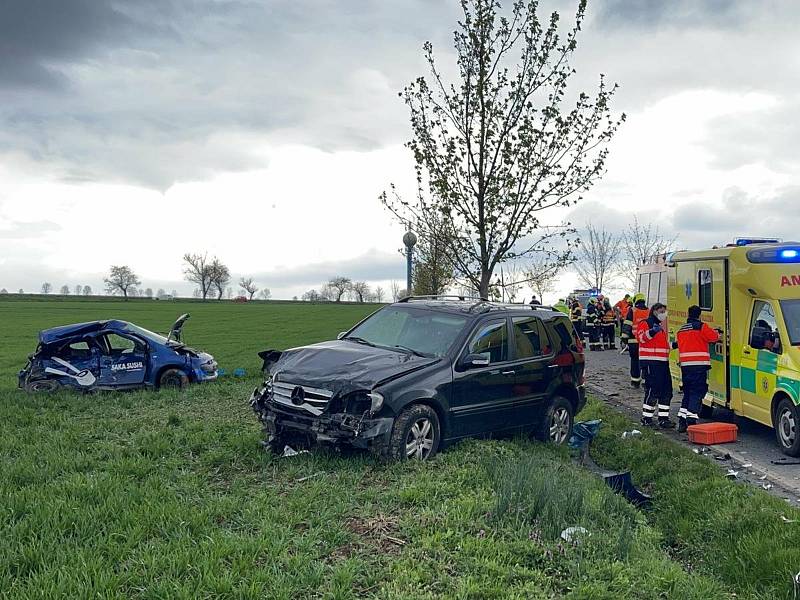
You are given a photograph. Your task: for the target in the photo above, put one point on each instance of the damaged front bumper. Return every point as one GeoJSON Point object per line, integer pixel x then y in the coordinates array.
{"type": "Point", "coordinates": [358, 431]}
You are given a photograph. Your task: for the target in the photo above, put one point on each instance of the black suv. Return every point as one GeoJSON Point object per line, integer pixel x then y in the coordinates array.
{"type": "Point", "coordinates": [424, 372]}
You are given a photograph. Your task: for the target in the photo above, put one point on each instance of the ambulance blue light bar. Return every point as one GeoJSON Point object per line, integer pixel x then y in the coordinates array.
{"type": "Point", "coordinates": [750, 241]}
{"type": "Point", "coordinates": [781, 254]}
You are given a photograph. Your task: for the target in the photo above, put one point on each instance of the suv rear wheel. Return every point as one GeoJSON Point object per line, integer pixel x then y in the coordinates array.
{"type": "Point", "coordinates": [556, 426]}
{"type": "Point", "coordinates": [41, 386]}
{"type": "Point", "coordinates": [416, 434]}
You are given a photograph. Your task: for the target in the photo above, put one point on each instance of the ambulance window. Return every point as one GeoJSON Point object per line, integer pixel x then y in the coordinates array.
{"type": "Point", "coordinates": [644, 286]}
{"type": "Point", "coordinates": [706, 289]}
{"type": "Point", "coordinates": [764, 328]}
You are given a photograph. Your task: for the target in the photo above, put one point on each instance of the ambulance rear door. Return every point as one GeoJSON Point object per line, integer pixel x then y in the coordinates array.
{"type": "Point", "coordinates": [705, 282]}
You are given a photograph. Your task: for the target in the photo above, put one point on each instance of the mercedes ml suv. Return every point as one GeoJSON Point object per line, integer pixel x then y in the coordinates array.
{"type": "Point", "coordinates": [424, 372]}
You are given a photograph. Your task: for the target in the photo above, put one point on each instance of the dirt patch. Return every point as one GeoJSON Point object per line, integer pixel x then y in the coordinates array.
{"type": "Point", "coordinates": [376, 533]}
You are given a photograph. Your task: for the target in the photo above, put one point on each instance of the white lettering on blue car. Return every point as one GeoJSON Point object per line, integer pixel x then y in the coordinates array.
{"type": "Point", "coordinates": [131, 366]}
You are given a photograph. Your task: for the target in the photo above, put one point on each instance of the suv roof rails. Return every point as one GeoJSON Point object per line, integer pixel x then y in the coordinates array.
{"type": "Point", "coordinates": [453, 297]}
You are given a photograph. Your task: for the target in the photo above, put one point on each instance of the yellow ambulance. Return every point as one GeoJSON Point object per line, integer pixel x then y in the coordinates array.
{"type": "Point", "coordinates": [750, 292]}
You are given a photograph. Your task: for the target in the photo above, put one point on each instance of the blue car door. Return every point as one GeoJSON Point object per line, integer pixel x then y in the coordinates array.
{"type": "Point", "coordinates": [123, 361]}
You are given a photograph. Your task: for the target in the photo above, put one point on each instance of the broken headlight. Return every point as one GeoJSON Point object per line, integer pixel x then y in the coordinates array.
{"type": "Point", "coordinates": [358, 403]}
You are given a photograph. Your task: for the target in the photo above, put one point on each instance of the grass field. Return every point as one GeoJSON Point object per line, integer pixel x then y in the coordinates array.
{"type": "Point", "coordinates": [169, 495]}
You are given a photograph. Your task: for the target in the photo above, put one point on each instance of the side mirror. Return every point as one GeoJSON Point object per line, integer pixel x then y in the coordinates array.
{"type": "Point", "coordinates": [477, 360]}
{"type": "Point", "coordinates": [341, 335]}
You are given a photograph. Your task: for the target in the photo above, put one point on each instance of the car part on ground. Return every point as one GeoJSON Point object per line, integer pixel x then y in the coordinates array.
{"type": "Point", "coordinates": [113, 355]}
{"type": "Point", "coordinates": [420, 374]}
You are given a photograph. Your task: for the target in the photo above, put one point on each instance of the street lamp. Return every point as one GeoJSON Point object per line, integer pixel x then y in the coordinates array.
{"type": "Point", "coordinates": [409, 241]}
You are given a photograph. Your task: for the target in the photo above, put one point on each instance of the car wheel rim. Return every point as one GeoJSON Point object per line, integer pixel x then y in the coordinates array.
{"type": "Point", "coordinates": [559, 425]}
{"type": "Point", "coordinates": [787, 428]}
{"type": "Point", "coordinates": [419, 441]}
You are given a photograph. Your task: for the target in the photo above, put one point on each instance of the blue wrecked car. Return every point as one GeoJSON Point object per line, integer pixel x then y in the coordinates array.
{"type": "Point", "coordinates": [114, 355]}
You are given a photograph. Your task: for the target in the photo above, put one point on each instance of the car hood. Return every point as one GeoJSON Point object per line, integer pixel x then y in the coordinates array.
{"type": "Point", "coordinates": [342, 367]}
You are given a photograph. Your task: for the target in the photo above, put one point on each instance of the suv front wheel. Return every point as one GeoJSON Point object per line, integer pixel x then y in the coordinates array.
{"type": "Point", "coordinates": [556, 426]}
{"type": "Point", "coordinates": [416, 434]}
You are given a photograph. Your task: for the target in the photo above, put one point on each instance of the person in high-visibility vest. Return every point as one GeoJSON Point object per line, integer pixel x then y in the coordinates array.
{"type": "Point", "coordinates": [695, 359]}
{"type": "Point", "coordinates": [576, 316]}
{"type": "Point", "coordinates": [636, 314]}
{"type": "Point", "coordinates": [654, 350]}
{"type": "Point", "coordinates": [621, 308]}
{"type": "Point", "coordinates": [593, 325]}
{"type": "Point", "coordinates": [609, 325]}
{"type": "Point", "coordinates": [561, 306]}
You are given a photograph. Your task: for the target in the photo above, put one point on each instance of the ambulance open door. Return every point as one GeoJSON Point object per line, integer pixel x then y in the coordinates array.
{"type": "Point", "coordinates": [705, 283]}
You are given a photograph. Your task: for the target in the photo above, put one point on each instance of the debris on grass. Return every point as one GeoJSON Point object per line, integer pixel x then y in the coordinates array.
{"type": "Point", "coordinates": [732, 474]}
{"type": "Point", "coordinates": [289, 451]}
{"type": "Point", "coordinates": [631, 433]}
{"type": "Point", "coordinates": [574, 534]}
{"type": "Point", "coordinates": [307, 477]}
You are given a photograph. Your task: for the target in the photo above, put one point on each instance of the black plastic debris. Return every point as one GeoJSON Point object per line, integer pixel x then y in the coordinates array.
{"type": "Point", "coordinates": [582, 435]}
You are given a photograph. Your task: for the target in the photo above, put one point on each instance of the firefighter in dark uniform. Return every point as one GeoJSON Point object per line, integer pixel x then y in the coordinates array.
{"type": "Point", "coordinates": [593, 325]}
{"type": "Point", "coordinates": [654, 348]}
{"type": "Point", "coordinates": [636, 314]}
{"type": "Point", "coordinates": [576, 316]}
{"type": "Point", "coordinates": [608, 325]}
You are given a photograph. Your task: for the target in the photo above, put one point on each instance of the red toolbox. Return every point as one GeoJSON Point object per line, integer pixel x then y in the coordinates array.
{"type": "Point", "coordinates": [712, 433]}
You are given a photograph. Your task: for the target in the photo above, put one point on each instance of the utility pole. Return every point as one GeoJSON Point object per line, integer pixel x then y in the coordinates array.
{"type": "Point", "coordinates": [409, 241]}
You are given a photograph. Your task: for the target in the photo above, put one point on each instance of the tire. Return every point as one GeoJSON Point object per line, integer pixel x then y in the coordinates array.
{"type": "Point", "coordinates": [786, 423]}
{"type": "Point", "coordinates": [556, 426]}
{"type": "Point", "coordinates": [173, 378]}
{"type": "Point", "coordinates": [41, 386]}
{"type": "Point", "coordinates": [416, 434]}
{"type": "Point", "coordinates": [706, 412]}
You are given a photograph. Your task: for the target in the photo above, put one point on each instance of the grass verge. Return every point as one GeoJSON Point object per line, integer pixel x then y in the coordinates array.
{"type": "Point", "coordinates": [748, 539]}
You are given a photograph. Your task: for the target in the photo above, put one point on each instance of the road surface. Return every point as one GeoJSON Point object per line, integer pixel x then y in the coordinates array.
{"type": "Point", "coordinates": [607, 377]}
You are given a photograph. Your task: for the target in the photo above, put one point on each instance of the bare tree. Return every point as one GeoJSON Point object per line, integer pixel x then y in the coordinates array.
{"type": "Point", "coordinates": [21, 291]}
{"type": "Point", "coordinates": [340, 285]}
{"type": "Point", "coordinates": [379, 294]}
{"type": "Point", "coordinates": [266, 294]}
{"type": "Point", "coordinates": [160, 293]}
{"type": "Point", "coordinates": [498, 148]}
{"type": "Point", "coordinates": [394, 289]}
{"type": "Point", "coordinates": [360, 289]}
{"type": "Point", "coordinates": [220, 275]}
{"type": "Point", "coordinates": [121, 279]}
{"type": "Point", "coordinates": [65, 290]}
{"type": "Point", "coordinates": [249, 286]}
{"type": "Point", "coordinates": [312, 296]}
{"type": "Point", "coordinates": [196, 293]}
{"type": "Point", "coordinates": [197, 269]}
{"type": "Point", "coordinates": [133, 292]}
{"type": "Point", "coordinates": [4, 291]}
{"type": "Point", "coordinates": [46, 287]}
{"type": "Point", "coordinates": [597, 257]}
{"type": "Point", "coordinates": [87, 290]}
{"type": "Point", "coordinates": [640, 244]}
{"type": "Point", "coordinates": [229, 292]}
{"type": "Point", "coordinates": [78, 290]}
{"type": "Point", "coordinates": [541, 275]}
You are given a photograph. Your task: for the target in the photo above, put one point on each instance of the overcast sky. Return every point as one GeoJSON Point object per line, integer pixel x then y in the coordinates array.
{"type": "Point", "coordinates": [262, 131]}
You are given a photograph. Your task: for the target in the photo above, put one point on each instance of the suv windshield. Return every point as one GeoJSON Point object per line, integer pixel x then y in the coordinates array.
{"type": "Point", "coordinates": [791, 315]}
{"type": "Point", "coordinates": [410, 329]}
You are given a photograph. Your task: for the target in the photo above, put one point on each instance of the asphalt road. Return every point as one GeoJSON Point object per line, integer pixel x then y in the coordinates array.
{"type": "Point", "coordinates": [751, 455]}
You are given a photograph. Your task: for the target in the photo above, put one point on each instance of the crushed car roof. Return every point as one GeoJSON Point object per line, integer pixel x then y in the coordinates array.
{"type": "Point", "coordinates": [63, 332]}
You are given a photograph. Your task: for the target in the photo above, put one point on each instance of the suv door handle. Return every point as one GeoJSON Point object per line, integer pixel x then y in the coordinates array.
{"type": "Point", "coordinates": [512, 372]}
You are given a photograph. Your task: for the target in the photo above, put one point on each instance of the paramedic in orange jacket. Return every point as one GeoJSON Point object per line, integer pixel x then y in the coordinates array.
{"type": "Point", "coordinates": [636, 314]}
{"type": "Point", "coordinates": [695, 358]}
{"type": "Point", "coordinates": [621, 308]}
{"type": "Point", "coordinates": [654, 350]}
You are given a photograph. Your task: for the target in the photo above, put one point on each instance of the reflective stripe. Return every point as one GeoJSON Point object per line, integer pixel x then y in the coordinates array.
{"type": "Point", "coordinates": [648, 411]}
{"type": "Point", "coordinates": [696, 363]}
{"type": "Point", "coordinates": [682, 413]}
{"type": "Point", "coordinates": [694, 354]}
{"type": "Point", "coordinates": [654, 359]}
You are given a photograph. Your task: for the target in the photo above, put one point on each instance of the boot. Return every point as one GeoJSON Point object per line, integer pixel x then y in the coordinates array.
{"type": "Point", "coordinates": [682, 425]}
{"type": "Point", "coordinates": [647, 422]}
{"type": "Point", "coordinates": [666, 424]}
{"type": "Point", "coordinates": [636, 383]}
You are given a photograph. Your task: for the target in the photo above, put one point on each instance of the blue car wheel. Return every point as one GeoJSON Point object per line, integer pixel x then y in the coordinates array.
{"type": "Point", "coordinates": [173, 378]}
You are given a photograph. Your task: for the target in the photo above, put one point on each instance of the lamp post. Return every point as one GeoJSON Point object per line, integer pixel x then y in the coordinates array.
{"type": "Point", "coordinates": [409, 241]}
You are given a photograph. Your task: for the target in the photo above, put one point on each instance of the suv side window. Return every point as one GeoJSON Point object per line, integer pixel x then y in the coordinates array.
{"type": "Point", "coordinates": [530, 337]}
{"type": "Point", "coordinates": [491, 339]}
{"type": "Point", "coordinates": [121, 345]}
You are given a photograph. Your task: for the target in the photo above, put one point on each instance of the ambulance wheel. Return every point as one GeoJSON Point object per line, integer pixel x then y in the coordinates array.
{"type": "Point", "coordinates": [706, 412]}
{"type": "Point", "coordinates": [173, 378]}
{"type": "Point", "coordinates": [41, 386]}
{"type": "Point", "coordinates": [787, 427]}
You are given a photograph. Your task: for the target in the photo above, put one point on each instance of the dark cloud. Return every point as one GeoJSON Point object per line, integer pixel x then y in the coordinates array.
{"type": "Point", "coordinates": [653, 14]}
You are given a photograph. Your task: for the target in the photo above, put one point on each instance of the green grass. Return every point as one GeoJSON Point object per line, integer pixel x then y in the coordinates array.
{"type": "Point", "coordinates": [169, 495]}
